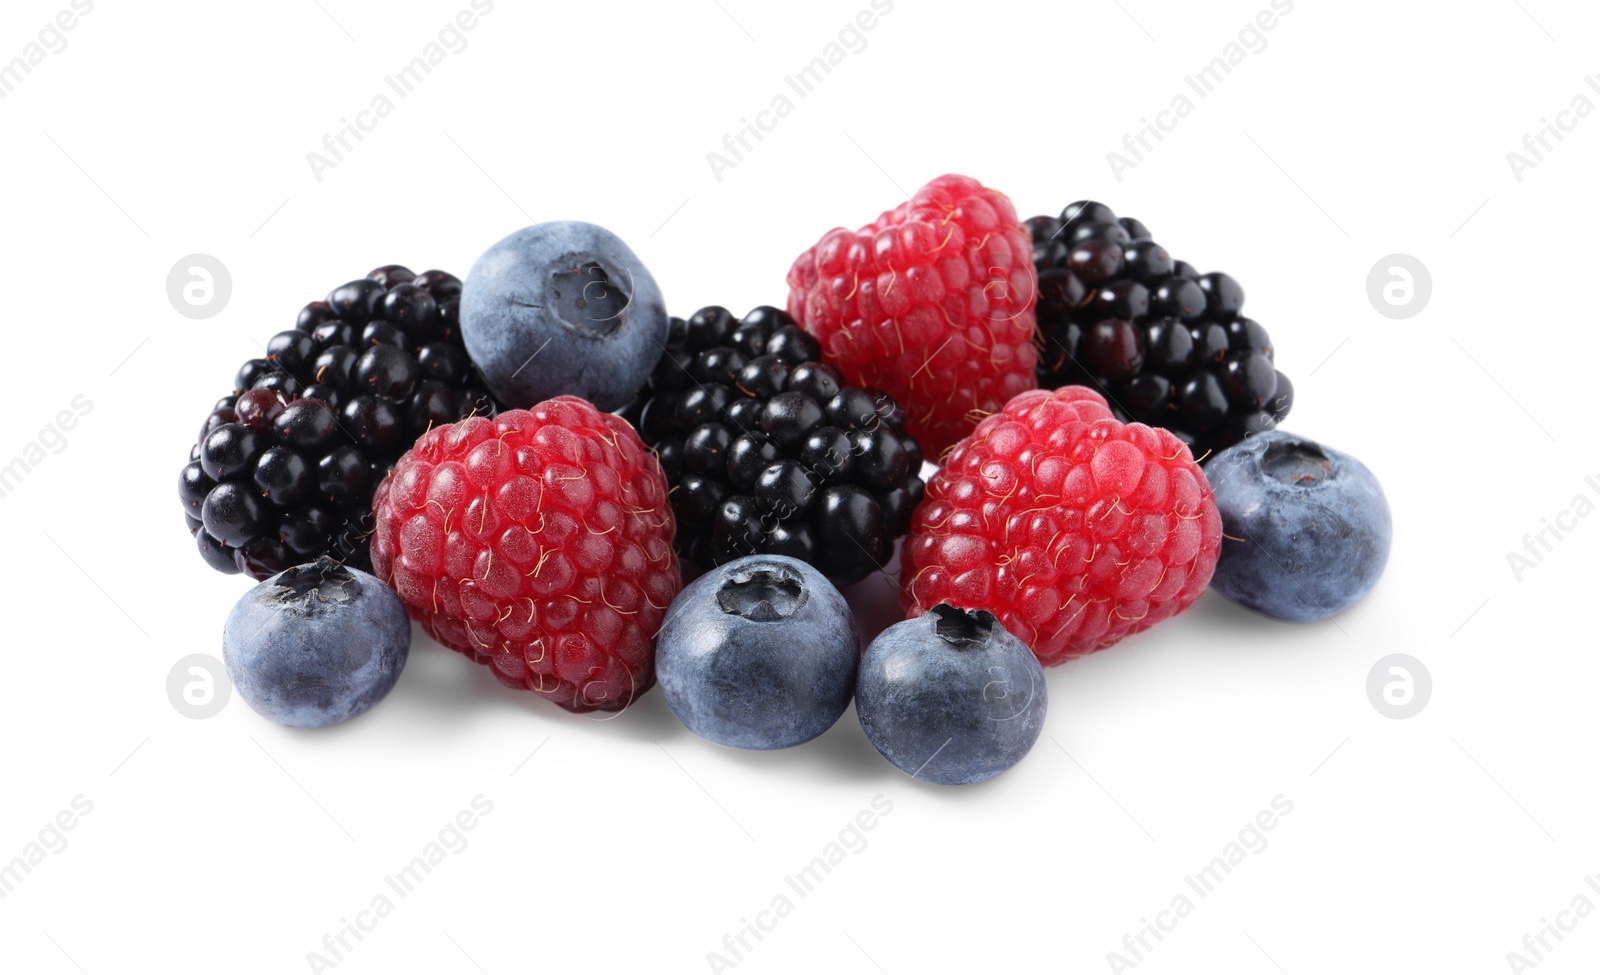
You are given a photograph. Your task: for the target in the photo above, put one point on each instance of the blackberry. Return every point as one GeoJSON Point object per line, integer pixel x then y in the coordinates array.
{"type": "Point", "coordinates": [768, 451]}
{"type": "Point", "coordinates": [285, 466]}
{"type": "Point", "coordinates": [1164, 343]}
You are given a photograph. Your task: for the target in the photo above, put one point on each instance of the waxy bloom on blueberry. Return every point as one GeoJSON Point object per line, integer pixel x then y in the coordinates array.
{"type": "Point", "coordinates": [759, 653]}
{"type": "Point", "coordinates": [950, 697]}
{"type": "Point", "coordinates": [563, 309]}
{"type": "Point", "coordinates": [316, 644]}
{"type": "Point", "coordinates": [1307, 527]}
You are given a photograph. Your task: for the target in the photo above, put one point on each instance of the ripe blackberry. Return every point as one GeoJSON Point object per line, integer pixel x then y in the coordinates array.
{"type": "Point", "coordinates": [768, 451]}
{"type": "Point", "coordinates": [286, 465]}
{"type": "Point", "coordinates": [1163, 343]}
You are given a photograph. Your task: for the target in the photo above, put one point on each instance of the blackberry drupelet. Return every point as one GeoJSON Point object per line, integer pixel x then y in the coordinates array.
{"type": "Point", "coordinates": [1166, 345]}
{"type": "Point", "coordinates": [768, 451]}
{"type": "Point", "coordinates": [286, 465]}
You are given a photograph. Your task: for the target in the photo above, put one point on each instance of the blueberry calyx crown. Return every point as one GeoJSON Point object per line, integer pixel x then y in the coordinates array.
{"type": "Point", "coordinates": [764, 593]}
{"type": "Point", "coordinates": [326, 580]}
{"type": "Point", "coordinates": [586, 300]}
{"type": "Point", "coordinates": [1297, 462]}
{"type": "Point", "coordinates": [962, 629]}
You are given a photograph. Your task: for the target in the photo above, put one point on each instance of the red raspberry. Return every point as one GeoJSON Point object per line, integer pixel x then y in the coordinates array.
{"type": "Point", "coordinates": [1073, 529]}
{"type": "Point", "coordinates": [539, 543]}
{"type": "Point", "coordinates": [933, 304]}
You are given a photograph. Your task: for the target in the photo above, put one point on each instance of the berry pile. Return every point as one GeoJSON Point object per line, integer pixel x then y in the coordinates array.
{"type": "Point", "coordinates": [768, 451]}
{"type": "Point", "coordinates": [782, 456]}
{"type": "Point", "coordinates": [1165, 344]}
{"type": "Point", "coordinates": [285, 466]}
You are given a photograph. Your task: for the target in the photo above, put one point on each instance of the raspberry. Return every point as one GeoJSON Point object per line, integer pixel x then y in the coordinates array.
{"type": "Point", "coordinates": [1072, 528]}
{"type": "Point", "coordinates": [933, 304]}
{"type": "Point", "coordinates": [538, 543]}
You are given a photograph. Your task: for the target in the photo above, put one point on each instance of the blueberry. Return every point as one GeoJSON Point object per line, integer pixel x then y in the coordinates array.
{"type": "Point", "coordinates": [316, 644]}
{"type": "Point", "coordinates": [758, 653]}
{"type": "Point", "coordinates": [951, 696]}
{"type": "Point", "coordinates": [1306, 528]}
{"type": "Point", "coordinates": [563, 308]}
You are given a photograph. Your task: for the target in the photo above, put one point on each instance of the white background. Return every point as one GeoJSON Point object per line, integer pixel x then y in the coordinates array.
{"type": "Point", "coordinates": [1362, 129]}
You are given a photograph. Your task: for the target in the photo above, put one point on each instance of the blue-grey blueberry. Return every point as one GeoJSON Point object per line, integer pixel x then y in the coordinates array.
{"type": "Point", "coordinates": [563, 308]}
{"type": "Point", "coordinates": [1306, 528]}
{"type": "Point", "coordinates": [951, 696]}
{"type": "Point", "coordinates": [759, 652]}
{"type": "Point", "coordinates": [316, 644]}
